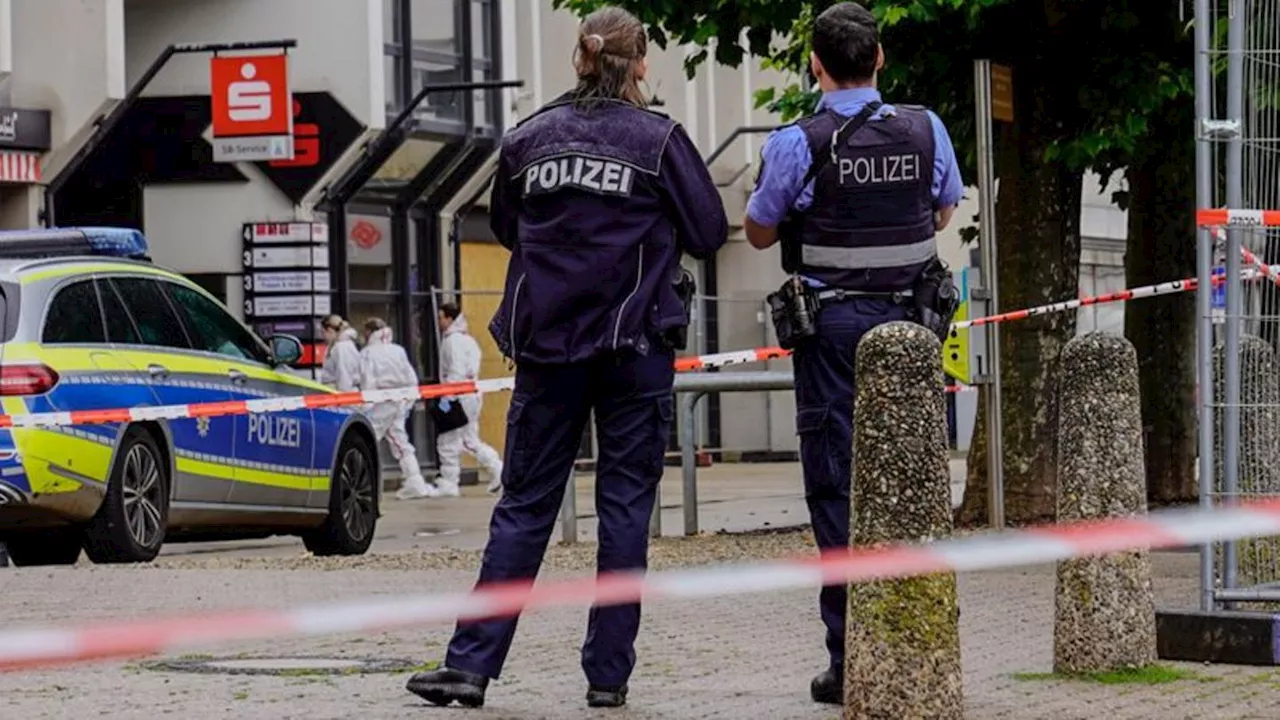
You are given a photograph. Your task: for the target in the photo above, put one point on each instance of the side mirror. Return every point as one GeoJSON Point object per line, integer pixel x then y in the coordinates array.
{"type": "Point", "coordinates": [285, 349]}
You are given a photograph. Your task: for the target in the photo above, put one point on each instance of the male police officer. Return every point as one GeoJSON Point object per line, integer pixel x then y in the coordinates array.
{"type": "Point", "coordinates": [862, 187]}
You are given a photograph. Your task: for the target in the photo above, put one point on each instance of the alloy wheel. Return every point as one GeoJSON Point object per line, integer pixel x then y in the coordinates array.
{"type": "Point", "coordinates": [357, 499]}
{"type": "Point", "coordinates": [143, 495]}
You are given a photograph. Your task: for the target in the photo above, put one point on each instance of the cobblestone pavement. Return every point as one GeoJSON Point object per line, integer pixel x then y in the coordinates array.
{"type": "Point", "coordinates": [739, 657]}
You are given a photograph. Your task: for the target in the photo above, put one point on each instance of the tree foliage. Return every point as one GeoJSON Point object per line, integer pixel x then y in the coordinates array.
{"type": "Point", "coordinates": [1106, 61]}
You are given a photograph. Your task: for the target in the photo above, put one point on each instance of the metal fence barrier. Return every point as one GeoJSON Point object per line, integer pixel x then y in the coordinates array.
{"type": "Point", "coordinates": [1238, 166]}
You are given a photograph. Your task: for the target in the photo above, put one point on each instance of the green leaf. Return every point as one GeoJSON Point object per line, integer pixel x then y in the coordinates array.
{"type": "Point", "coordinates": [764, 96]}
{"type": "Point", "coordinates": [888, 16]}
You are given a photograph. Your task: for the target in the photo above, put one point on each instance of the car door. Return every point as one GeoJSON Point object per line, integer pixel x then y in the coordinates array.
{"type": "Point", "coordinates": [159, 345]}
{"type": "Point", "coordinates": [273, 451]}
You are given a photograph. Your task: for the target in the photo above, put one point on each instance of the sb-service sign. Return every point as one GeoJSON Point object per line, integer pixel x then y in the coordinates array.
{"type": "Point", "coordinates": [252, 108]}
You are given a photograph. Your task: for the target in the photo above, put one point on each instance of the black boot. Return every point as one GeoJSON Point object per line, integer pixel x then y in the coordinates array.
{"type": "Point", "coordinates": [606, 697]}
{"type": "Point", "coordinates": [441, 687]}
{"type": "Point", "coordinates": [828, 687]}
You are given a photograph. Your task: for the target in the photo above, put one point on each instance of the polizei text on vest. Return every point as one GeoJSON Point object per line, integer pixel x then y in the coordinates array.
{"type": "Point", "coordinates": [880, 170]}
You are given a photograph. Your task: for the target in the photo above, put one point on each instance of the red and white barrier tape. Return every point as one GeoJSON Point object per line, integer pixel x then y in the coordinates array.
{"type": "Point", "coordinates": [1220, 217]}
{"type": "Point", "coordinates": [27, 648]}
{"type": "Point", "coordinates": [1165, 288]}
{"type": "Point", "coordinates": [1267, 271]}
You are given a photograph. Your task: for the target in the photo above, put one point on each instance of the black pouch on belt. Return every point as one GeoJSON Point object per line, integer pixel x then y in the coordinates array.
{"type": "Point", "coordinates": [936, 299]}
{"type": "Point", "coordinates": [683, 283]}
{"type": "Point", "coordinates": [794, 310]}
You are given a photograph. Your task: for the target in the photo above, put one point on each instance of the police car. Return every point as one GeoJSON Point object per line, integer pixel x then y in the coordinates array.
{"type": "Point", "coordinates": [88, 323]}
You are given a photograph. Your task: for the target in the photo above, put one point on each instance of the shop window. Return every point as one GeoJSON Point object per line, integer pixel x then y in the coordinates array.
{"type": "Point", "coordinates": [393, 55]}
{"type": "Point", "coordinates": [370, 253]}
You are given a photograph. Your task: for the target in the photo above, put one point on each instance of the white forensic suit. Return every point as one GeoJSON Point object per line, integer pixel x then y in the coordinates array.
{"type": "Point", "coordinates": [384, 365]}
{"type": "Point", "coordinates": [341, 369]}
{"type": "Point", "coordinates": [460, 362]}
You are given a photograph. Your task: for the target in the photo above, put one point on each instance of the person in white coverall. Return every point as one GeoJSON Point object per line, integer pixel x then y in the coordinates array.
{"type": "Point", "coordinates": [385, 365]}
{"type": "Point", "coordinates": [460, 362]}
{"type": "Point", "coordinates": [341, 369]}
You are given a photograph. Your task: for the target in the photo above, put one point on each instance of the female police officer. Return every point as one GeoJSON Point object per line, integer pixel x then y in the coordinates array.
{"type": "Point", "coordinates": [596, 197]}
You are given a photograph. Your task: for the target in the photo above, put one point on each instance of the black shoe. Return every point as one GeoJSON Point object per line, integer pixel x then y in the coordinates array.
{"type": "Point", "coordinates": [606, 697]}
{"type": "Point", "coordinates": [828, 687]}
{"type": "Point", "coordinates": [441, 687]}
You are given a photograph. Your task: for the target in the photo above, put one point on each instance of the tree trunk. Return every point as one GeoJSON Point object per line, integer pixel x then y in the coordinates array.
{"type": "Point", "coordinates": [1038, 247]}
{"type": "Point", "coordinates": [1162, 247]}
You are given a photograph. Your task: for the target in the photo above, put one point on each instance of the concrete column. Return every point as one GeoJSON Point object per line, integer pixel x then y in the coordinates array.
{"type": "Point", "coordinates": [903, 636]}
{"type": "Point", "coordinates": [1104, 608]}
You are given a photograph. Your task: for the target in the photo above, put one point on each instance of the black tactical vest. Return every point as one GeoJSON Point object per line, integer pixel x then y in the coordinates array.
{"type": "Point", "coordinates": [870, 226]}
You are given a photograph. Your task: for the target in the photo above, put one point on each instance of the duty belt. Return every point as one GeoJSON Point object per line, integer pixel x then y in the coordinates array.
{"type": "Point", "coordinates": [827, 295]}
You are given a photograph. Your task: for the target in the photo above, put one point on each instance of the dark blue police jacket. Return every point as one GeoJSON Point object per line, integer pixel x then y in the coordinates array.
{"type": "Point", "coordinates": [596, 205]}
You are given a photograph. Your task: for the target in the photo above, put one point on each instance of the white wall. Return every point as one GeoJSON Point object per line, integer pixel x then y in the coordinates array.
{"type": "Point", "coordinates": [196, 228]}
{"type": "Point", "coordinates": [1104, 231]}
{"type": "Point", "coordinates": [68, 57]}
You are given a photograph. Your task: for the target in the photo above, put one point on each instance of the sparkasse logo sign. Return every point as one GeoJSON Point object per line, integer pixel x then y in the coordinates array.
{"type": "Point", "coordinates": [252, 108]}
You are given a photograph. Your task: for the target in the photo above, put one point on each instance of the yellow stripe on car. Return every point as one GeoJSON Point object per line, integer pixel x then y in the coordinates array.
{"type": "Point", "coordinates": [205, 468]}
{"type": "Point", "coordinates": [69, 269]}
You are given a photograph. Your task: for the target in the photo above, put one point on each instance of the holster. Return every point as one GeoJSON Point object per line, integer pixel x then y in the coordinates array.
{"type": "Point", "coordinates": [794, 310]}
{"type": "Point", "coordinates": [936, 299]}
{"type": "Point", "coordinates": [789, 242]}
{"type": "Point", "coordinates": [683, 282]}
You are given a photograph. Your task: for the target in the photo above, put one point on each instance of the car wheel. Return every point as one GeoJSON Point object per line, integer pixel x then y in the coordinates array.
{"type": "Point", "coordinates": [130, 525]}
{"type": "Point", "coordinates": [45, 547]}
{"type": "Point", "coordinates": [353, 502]}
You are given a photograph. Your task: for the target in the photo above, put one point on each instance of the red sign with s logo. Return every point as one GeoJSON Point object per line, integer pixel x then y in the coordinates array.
{"type": "Point", "coordinates": [250, 96]}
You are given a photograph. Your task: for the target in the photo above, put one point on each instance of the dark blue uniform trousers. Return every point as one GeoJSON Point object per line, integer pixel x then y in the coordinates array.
{"type": "Point", "coordinates": [824, 376]}
{"type": "Point", "coordinates": [631, 397]}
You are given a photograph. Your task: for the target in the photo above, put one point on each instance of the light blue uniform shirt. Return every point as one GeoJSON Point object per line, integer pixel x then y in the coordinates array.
{"type": "Point", "coordinates": [785, 161]}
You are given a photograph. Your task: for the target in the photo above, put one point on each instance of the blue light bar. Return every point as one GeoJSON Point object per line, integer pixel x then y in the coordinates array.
{"type": "Point", "coordinates": [116, 242]}
{"type": "Point", "coordinates": [63, 242]}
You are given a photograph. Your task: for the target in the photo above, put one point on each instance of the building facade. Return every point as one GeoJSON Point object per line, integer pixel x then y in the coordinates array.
{"type": "Point", "coordinates": [382, 203]}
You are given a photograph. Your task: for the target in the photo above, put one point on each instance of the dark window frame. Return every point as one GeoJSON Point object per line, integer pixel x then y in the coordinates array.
{"type": "Point", "coordinates": [471, 62]}
{"type": "Point", "coordinates": [105, 286]}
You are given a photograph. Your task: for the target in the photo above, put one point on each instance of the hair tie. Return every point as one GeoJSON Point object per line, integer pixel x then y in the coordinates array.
{"type": "Point", "coordinates": [598, 40]}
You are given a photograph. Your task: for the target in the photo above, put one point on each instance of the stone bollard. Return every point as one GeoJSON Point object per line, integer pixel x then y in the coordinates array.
{"type": "Point", "coordinates": [1258, 471]}
{"type": "Point", "coordinates": [902, 642]}
{"type": "Point", "coordinates": [1104, 606]}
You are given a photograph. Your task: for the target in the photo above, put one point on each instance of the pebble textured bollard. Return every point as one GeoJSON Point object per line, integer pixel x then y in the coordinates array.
{"type": "Point", "coordinates": [1104, 609]}
{"type": "Point", "coordinates": [903, 636]}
